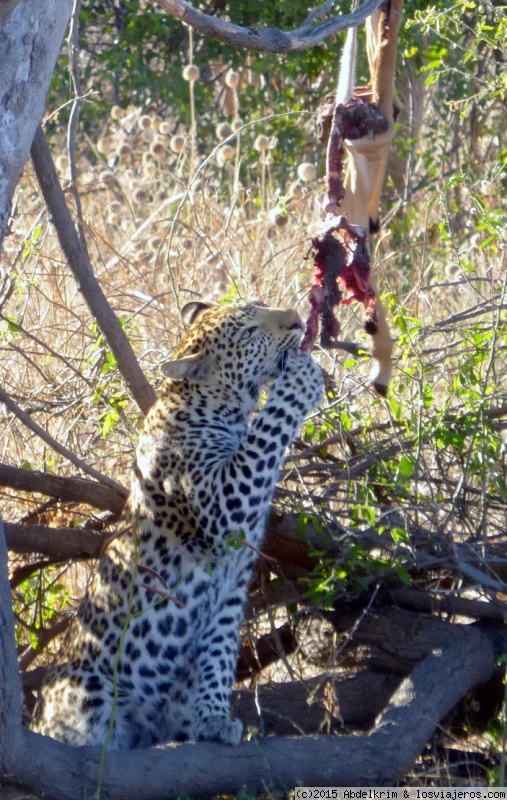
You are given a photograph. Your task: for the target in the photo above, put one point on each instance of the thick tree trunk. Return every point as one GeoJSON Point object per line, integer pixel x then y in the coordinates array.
{"type": "Point", "coordinates": [30, 39]}
{"type": "Point", "coordinates": [10, 686]}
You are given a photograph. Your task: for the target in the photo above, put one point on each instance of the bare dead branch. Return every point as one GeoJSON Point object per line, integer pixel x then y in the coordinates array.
{"type": "Point", "coordinates": [270, 40]}
{"type": "Point", "coordinates": [59, 448]}
{"type": "Point", "coordinates": [296, 707]}
{"type": "Point", "coordinates": [82, 270]}
{"type": "Point", "coordinates": [43, 638]}
{"type": "Point", "coordinates": [58, 544]}
{"type": "Point", "coordinates": [71, 490]}
{"type": "Point", "coordinates": [23, 572]}
{"type": "Point", "coordinates": [415, 600]}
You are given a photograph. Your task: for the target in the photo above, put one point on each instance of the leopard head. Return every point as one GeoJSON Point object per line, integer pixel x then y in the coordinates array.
{"type": "Point", "coordinates": [238, 345]}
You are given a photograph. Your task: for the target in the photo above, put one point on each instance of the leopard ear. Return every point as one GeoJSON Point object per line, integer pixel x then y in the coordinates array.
{"type": "Point", "coordinates": [191, 311]}
{"type": "Point", "coordinates": [193, 368]}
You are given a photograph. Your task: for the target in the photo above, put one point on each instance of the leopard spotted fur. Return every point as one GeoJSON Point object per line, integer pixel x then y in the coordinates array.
{"type": "Point", "coordinates": [151, 654]}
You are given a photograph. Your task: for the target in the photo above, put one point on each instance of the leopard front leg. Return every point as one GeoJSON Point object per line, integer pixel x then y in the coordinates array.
{"type": "Point", "coordinates": [249, 479]}
{"type": "Point", "coordinates": [245, 486]}
{"type": "Point", "coordinates": [218, 653]}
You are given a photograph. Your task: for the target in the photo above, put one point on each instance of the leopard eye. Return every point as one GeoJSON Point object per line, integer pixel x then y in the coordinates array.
{"type": "Point", "coordinates": [246, 333]}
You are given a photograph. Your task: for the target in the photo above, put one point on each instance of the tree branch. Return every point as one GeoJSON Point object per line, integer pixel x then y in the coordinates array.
{"type": "Point", "coordinates": [288, 709]}
{"type": "Point", "coordinates": [82, 270]}
{"type": "Point", "coordinates": [70, 490]}
{"type": "Point", "coordinates": [73, 45]}
{"type": "Point", "coordinates": [427, 603]}
{"type": "Point", "coordinates": [271, 40]}
{"type": "Point", "coordinates": [58, 544]}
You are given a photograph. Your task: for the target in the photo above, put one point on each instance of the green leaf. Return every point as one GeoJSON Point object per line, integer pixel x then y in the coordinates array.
{"type": "Point", "coordinates": [403, 575]}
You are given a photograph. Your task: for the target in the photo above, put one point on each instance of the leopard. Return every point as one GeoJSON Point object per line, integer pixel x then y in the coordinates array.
{"type": "Point", "coordinates": [150, 656]}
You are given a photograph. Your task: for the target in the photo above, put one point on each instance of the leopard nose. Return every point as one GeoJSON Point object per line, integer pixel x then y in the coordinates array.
{"type": "Point", "coordinates": [296, 323]}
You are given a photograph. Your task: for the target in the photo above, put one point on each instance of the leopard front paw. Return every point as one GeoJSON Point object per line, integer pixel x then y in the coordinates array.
{"type": "Point", "coordinates": [220, 729]}
{"type": "Point", "coordinates": [302, 376]}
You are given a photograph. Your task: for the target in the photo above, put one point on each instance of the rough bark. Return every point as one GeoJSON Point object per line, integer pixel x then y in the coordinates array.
{"type": "Point", "coordinates": [58, 544]}
{"type": "Point", "coordinates": [270, 40]}
{"type": "Point", "coordinates": [69, 490]}
{"type": "Point", "coordinates": [31, 35]}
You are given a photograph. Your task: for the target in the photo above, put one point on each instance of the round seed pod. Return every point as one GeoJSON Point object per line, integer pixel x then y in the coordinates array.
{"type": "Point", "coordinates": [237, 124]}
{"type": "Point", "coordinates": [123, 149]}
{"type": "Point", "coordinates": [296, 191]}
{"type": "Point", "coordinates": [232, 79]}
{"type": "Point", "coordinates": [144, 122]}
{"type": "Point", "coordinates": [140, 195]}
{"type": "Point", "coordinates": [191, 73]}
{"type": "Point", "coordinates": [226, 152]}
{"type": "Point", "coordinates": [307, 172]}
{"type": "Point", "coordinates": [150, 170]}
{"type": "Point", "coordinates": [62, 163]}
{"type": "Point", "coordinates": [116, 112]}
{"type": "Point", "coordinates": [261, 143]}
{"type": "Point", "coordinates": [164, 128]}
{"type": "Point", "coordinates": [224, 130]}
{"type": "Point", "coordinates": [277, 217]}
{"type": "Point", "coordinates": [177, 143]}
{"type": "Point", "coordinates": [157, 148]}
{"type": "Point", "coordinates": [154, 243]}
{"type": "Point", "coordinates": [107, 178]}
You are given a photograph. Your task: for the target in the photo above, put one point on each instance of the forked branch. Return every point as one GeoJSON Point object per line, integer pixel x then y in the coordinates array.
{"type": "Point", "coordinates": [269, 40]}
